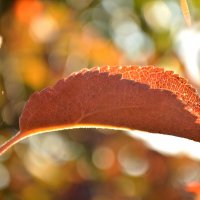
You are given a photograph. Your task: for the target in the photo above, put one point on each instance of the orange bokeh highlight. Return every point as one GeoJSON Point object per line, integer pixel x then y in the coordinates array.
{"type": "Point", "coordinates": [194, 187]}
{"type": "Point", "coordinates": [27, 10]}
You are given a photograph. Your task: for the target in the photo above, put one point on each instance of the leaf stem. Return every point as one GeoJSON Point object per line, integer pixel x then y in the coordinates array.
{"type": "Point", "coordinates": [8, 144]}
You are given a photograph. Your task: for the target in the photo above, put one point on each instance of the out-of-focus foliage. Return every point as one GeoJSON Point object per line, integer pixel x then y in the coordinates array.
{"type": "Point", "coordinates": [45, 40]}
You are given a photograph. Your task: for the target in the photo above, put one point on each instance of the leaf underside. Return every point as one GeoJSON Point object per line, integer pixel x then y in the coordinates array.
{"type": "Point", "coordinates": [131, 97]}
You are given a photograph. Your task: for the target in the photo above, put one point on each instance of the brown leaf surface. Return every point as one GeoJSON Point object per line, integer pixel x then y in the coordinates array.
{"type": "Point", "coordinates": [130, 97]}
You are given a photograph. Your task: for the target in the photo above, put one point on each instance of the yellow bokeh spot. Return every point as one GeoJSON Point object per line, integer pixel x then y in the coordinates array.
{"type": "Point", "coordinates": [34, 73]}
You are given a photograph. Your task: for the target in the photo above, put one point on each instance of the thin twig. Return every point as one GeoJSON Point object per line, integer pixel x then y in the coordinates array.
{"type": "Point", "coordinates": [185, 11]}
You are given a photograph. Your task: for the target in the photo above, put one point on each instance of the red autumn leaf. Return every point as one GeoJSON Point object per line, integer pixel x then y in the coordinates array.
{"type": "Point", "coordinates": [130, 97]}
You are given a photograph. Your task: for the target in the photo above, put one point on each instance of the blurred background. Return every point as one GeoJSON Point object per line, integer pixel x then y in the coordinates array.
{"type": "Point", "coordinates": [44, 40]}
